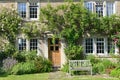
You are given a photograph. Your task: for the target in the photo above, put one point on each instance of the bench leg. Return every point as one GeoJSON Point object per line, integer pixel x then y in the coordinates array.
{"type": "Point", "coordinates": [91, 71]}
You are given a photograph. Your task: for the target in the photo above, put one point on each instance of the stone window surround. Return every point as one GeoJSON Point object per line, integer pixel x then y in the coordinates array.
{"type": "Point", "coordinates": [105, 47]}
{"type": "Point", "coordinates": [104, 6]}
{"type": "Point", "coordinates": [28, 11]}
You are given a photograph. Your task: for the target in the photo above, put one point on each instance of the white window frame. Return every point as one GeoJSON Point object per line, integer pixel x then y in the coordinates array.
{"type": "Point", "coordinates": [113, 11]}
{"type": "Point", "coordinates": [19, 10]}
{"type": "Point", "coordinates": [28, 11]}
{"type": "Point", "coordinates": [88, 45]}
{"type": "Point", "coordinates": [35, 47]}
{"type": "Point", "coordinates": [95, 46]}
{"type": "Point", "coordinates": [22, 44]}
{"type": "Point", "coordinates": [38, 11]}
{"type": "Point", "coordinates": [104, 6]}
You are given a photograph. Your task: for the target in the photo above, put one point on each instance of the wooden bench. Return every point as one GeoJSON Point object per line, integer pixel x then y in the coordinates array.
{"type": "Point", "coordinates": [80, 65]}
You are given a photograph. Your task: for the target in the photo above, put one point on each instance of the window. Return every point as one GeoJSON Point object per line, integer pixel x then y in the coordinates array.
{"type": "Point", "coordinates": [33, 10]}
{"type": "Point", "coordinates": [102, 8]}
{"type": "Point", "coordinates": [28, 10]}
{"type": "Point", "coordinates": [109, 6]}
{"type": "Point", "coordinates": [22, 44]}
{"type": "Point", "coordinates": [89, 45]}
{"type": "Point", "coordinates": [99, 8]}
{"type": "Point", "coordinates": [22, 9]}
{"type": "Point", "coordinates": [33, 44]}
{"type": "Point", "coordinates": [111, 46]}
{"type": "Point", "coordinates": [100, 45]}
{"type": "Point", "coordinates": [89, 6]}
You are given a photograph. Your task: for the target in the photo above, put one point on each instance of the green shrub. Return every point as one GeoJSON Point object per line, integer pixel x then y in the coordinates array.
{"type": "Point", "coordinates": [1, 71]}
{"type": "Point", "coordinates": [93, 59]}
{"type": "Point", "coordinates": [20, 56]}
{"type": "Point", "coordinates": [3, 55]}
{"type": "Point", "coordinates": [31, 55]}
{"type": "Point", "coordinates": [42, 64]}
{"type": "Point", "coordinates": [73, 51]}
{"type": "Point", "coordinates": [108, 64]}
{"type": "Point", "coordinates": [65, 68]}
{"type": "Point", "coordinates": [25, 55]}
{"type": "Point", "coordinates": [98, 68]}
{"type": "Point", "coordinates": [115, 72]}
{"type": "Point", "coordinates": [24, 68]}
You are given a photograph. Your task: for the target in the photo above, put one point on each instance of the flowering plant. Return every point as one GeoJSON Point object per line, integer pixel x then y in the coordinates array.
{"type": "Point", "coordinates": [116, 39]}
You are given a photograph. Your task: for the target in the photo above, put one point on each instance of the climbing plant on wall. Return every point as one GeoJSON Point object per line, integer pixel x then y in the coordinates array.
{"type": "Point", "coordinates": [72, 21]}
{"type": "Point", "coordinates": [9, 24]}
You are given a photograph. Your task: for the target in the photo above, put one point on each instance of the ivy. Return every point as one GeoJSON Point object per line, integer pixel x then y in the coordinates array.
{"type": "Point", "coordinates": [9, 23]}
{"type": "Point", "coordinates": [72, 21]}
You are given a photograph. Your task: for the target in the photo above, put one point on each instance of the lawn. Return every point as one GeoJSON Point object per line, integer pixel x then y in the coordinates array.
{"type": "Point", "coordinates": [40, 76]}
{"type": "Point", "coordinates": [55, 76]}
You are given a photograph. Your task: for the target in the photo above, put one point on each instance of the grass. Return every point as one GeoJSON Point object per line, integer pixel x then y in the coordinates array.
{"type": "Point", "coordinates": [56, 76]}
{"type": "Point", "coordinates": [40, 76]}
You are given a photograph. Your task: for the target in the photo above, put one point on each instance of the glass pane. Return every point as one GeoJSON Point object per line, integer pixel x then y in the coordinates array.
{"type": "Point", "coordinates": [51, 48]}
{"type": "Point", "coordinates": [56, 48]}
{"type": "Point", "coordinates": [89, 45]}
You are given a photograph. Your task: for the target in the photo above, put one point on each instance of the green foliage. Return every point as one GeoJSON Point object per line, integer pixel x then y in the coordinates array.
{"type": "Point", "coordinates": [9, 22]}
{"type": "Point", "coordinates": [20, 56]}
{"type": "Point", "coordinates": [98, 68]}
{"type": "Point", "coordinates": [73, 51]}
{"type": "Point", "coordinates": [115, 72]}
{"type": "Point", "coordinates": [25, 56]}
{"type": "Point", "coordinates": [43, 65]}
{"type": "Point", "coordinates": [93, 59]}
{"type": "Point", "coordinates": [108, 64]}
{"type": "Point", "coordinates": [71, 21]}
{"type": "Point", "coordinates": [65, 68]}
{"type": "Point", "coordinates": [30, 55]}
{"type": "Point", "coordinates": [2, 57]}
{"type": "Point", "coordinates": [1, 71]}
{"type": "Point", "coordinates": [31, 30]}
{"type": "Point", "coordinates": [24, 68]}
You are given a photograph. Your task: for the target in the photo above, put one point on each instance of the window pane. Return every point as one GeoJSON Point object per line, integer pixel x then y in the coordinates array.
{"type": "Point", "coordinates": [21, 44]}
{"type": "Point", "coordinates": [111, 46]}
{"type": "Point", "coordinates": [33, 44]}
{"type": "Point", "coordinates": [89, 45]}
{"type": "Point", "coordinates": [89, 5]}
{"type": "Point", "coordinates": [109, 7]}
{"type": "Point", "coordinates": [22, 9]}
{"type": "Point", "coordinates": [100, 45]}
{"type": "Point", "coordinates": [99, 8]}
{"type": "Point", "coordinates": [33, 10]}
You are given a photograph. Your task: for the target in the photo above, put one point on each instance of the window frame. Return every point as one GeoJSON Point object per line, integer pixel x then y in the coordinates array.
{"type": "Point", "coordinates": [105, 43]}
{"type": "Point", "coordinates": [23, 43]}
{"type": "Point", "coordinates": [104, 4]}
{"type": "Point", "coordinates": [28, 10]}
{"type": "Point", "coordinates": [20, 5]}
{"type": "Point", "coordinates": [33, 45]}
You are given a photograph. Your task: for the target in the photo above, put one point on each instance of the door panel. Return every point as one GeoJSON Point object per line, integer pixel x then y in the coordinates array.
{"type": "Point", "coordinates": [54, 52]}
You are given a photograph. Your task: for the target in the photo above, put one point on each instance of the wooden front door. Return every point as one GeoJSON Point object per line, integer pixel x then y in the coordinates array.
{"type": "Point", "coordinates": [54, 52]}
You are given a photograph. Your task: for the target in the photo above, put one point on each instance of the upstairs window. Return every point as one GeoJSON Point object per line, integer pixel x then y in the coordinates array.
{"type": "Point", "coordinates": [110, 9]}
{"type": "Point", "coordinates": [89, 6]}
{"type": "Point", "coordinates": [22, 9]}
{"type": "Point", "coordinates": [102, 8]}
{"type": "Point", "coordinates": [99, 8]}
{"type": "Point", "coordinates": [33, 10]}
